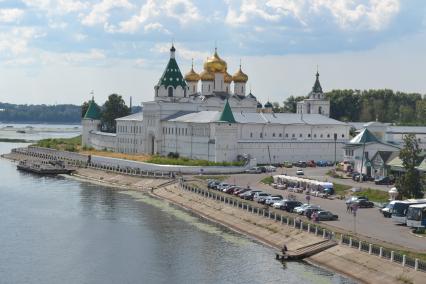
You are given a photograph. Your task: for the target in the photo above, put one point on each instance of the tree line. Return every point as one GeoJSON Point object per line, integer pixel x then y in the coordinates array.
{"type": "Point", "coordinates": [65, 113]}
{"type": "Point", "coordinates": [368, 105]}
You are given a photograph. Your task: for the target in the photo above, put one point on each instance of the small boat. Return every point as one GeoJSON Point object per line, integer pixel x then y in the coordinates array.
{"type": "Point", "coordinates": [53, 168]}
{"type": "Point", "coordinates": [21, 131]}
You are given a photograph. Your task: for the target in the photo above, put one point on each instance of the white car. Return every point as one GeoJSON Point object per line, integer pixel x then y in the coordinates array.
{"type": "Point", "coordinates": [270, 168]}
{"type": "Point", "coordinates": [300, 209]}
{"type": "Point", "coordinates": [272, 199]}
{"type": "Point", "coordinates": [259, 196]}
{"type": "Point", "coordinates": [300, 172]}
{"type": "Point", "coordinates": [279, 203]}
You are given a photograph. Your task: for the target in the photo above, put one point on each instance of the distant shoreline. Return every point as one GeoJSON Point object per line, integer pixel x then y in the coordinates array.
{"type": "Point", "coordinates": [41, 122]}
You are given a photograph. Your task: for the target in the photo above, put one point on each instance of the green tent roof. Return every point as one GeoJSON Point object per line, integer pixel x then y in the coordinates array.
{"type": "Point", "coordinates": [172, 75]}
{"type": "Point", "coordinates": [227, 115]}
{"type": "Point", "coordinates": [317, 86]}
{"type": "Point", "coordinates": [93, 111]}
{"type": "Point", "coordinates": [268, 105]}
{"type": "Point", "coordinates": [422, 166]}
{"type": "Point", "coordinates": [395, 163]}
{"type": "Point", "coordinates": [365, 136]}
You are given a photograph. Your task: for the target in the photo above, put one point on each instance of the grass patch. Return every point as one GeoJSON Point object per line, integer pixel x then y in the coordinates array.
{"type": "Point", "coordinates": [374, 195]}
{"type": "Point", "coordinates": [220, 178]}
{"type": "Point", "coordinates": [12, 140]}
{"type": "Point", "coordinates": [340, 189]}
{"type": "Point", "coordinates": [267, 180]}
{"type": "Point", "coordinates": [404, 279]}
{"type": "Point", "coordinates": [188, 162]}
{"type": "Point", "coordinates": [65, 144]}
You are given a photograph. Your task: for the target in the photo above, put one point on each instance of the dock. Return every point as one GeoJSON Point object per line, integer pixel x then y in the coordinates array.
{"type": "Point", "coordinates": [305, 251]}
{"type": "Point", "coordinates": [52, 168]}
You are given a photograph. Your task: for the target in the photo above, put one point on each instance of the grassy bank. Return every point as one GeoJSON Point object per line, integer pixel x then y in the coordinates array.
{"type": "Point", "coordinates": [11, 140]}
{"type": "Point", "coordinates": [220, 178]}
{"type": "Point", "coordinates": [65, 144]}
{"type": "Point", "coordinates": [340, 189]}
{"type": "Point", "coordinates": [374, 195]}
{"type": "Point", "coordinates": [188, 162]}
{"type": "Point", "coordinates": [267, 180]}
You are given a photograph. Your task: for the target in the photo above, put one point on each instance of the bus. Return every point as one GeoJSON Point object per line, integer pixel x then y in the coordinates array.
{"type": "Point", "coordinates": [399, 210]}
{"type": "Point", "coordinates": [416, 216]}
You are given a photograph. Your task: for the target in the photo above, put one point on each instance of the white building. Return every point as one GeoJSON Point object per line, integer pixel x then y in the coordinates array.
{"type": "Point", "coordinates": [209, 116]}
{"type": "Point", "coordinates": [316, 103]}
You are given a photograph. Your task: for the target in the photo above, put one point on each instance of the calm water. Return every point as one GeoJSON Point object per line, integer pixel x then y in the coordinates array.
{"type": "Point", "coordinates": [56, 230]}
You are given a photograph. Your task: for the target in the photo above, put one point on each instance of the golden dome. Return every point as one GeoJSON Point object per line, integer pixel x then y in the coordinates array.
{"type": "Point", "coordinates": [215, 64]}
{"type": "Point", "coordinates": [228, 77]}
{"type": "Point", "coordinates": [192, 76]}
{"type": "Point", "coordinates": [206, 76]}
{"type": "Point", "coordinates": [240, 76]}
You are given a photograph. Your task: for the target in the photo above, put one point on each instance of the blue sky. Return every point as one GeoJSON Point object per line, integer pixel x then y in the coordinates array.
{"type": "Point", "coordinates": [57, 51]}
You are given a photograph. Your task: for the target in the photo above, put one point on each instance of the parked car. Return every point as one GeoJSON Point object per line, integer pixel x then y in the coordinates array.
{"type": "Point", "coordinates": [300, 172]}
{"type": "Point", "coordinates": [354, 199]}
{"type": "Point", "coordinates": [279, 203]}
{"type": "Point", "coordinates": [321, 163]}
{"type": "Point", "coordinates": [330, 163]}
{"type": "Point", "coordinates": [231, 189]}
{"type": "Point", "coordinates": [249, 194]}
{"type": "Point", "coordinates": [272, 199]}
{"type": "Point", "coordinates": [221, 186]}
{"type": "Point", "coordinates": [311, 163]}
{"type": "Point", "coordinates": [254, 170]}
{"type": "Point", "coordinates": [300, 209]}
{"type": "Point", "coordinates": [260, 196]}
{"type": "Point", "coordinates": [287, 164]}
{"type": "Point", "coordinates": [311, 209]}
{"type": "Point", "coordinates": [327, 216]}
{"type": "Point", "coordinates": [384, 181]}
{"type": "Point", "coordinates": [213, 184]}
{"type": "Point", "coordinates": [289, 205]}
{"type": "Point", "coordinates": [300, 164]}
{"type": "Point", "coordinates": [362, 203]}
{"type": "Point", "coordinates": [241, 191]}
{"type": "Point", "coordinates": [270, 168]}
{"type": "Point", "coordinates": [387, 209]}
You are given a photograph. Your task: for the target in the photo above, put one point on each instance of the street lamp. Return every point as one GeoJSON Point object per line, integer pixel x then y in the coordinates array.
{"type": "Point", "coordinates": [335, 141]}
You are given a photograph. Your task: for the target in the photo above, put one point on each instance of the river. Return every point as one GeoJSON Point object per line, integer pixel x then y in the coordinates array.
{"type": "Point", "coordinates": [60, 230]}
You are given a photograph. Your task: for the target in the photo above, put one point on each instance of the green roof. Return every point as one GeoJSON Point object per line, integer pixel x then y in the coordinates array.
{"type": "Point", "coordinates": [227, 115]}
{"type": "Point", "coordinates": [93, 111]}
{"type": "Point", "coordinates": [317, 86]}
{"type": "Point", "coordinates": [172, 75]}
{"type": "Point", "coordinates": [365, 136]}
{"type": "Point", "coordinates": [268, 105]}
{"type": "Point", "coordinates": [395, 163]}
{"type": "Point", "coordinates": [422, 166]}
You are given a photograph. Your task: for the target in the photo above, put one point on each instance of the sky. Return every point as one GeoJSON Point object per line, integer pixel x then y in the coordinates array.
{"type": "Point", "coordinates": [61, 51]}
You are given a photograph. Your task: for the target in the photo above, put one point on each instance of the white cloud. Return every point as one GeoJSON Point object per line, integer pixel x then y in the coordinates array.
{"type": "Point", "coordinates": [100, 12]}
{"type": "Point", "coordinates": [182, 10]}
{"type": "Point", "coordinates": [181, 50]}
{"type": "Point", "coordinates": [57, 6]}
{"type": "Point", "coordinates": [10, 15]}
{"type": "Point", "coordinates": [71, 58]}
{"type": "Point", "coordinates": [370, 14]}
{"type": "Point", "coordinates": [16, 40]}
{"type": "Point", "coordinates": [79, 37]}
{"type": "Point", "coordinates": [148, 10]}
{"type": "Point", "coordinates": [156, 27]}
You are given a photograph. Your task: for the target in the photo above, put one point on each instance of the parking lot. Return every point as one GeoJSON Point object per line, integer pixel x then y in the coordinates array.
{"type": "Point", "coordinates": [368, 222]}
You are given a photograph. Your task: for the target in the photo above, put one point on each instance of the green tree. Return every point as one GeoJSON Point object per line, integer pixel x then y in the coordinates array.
{"type": "Point", "coordinates": [409, 184]}
{"type": "Point", "coordinates": [290, 105]}
{"type": "Point", "coordinates": [276, 108]}
{"type": "Point", "coordinates": [84, 108]}
{"type": "Point", "coordinates": [113, 108]}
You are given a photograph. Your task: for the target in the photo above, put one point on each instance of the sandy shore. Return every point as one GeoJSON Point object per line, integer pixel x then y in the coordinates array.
{"type": "Point", "coordinates": [361, 266]}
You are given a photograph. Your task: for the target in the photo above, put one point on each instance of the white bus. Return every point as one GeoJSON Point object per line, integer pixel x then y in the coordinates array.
{"type": "Point", "coordinates": [399, 210]}
{"type": "Point", "coordinates": [416, 216]}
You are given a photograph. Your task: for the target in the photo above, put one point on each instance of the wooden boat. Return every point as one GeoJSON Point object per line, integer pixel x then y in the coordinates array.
{"type": "Point", "coordinates": [52, 168]}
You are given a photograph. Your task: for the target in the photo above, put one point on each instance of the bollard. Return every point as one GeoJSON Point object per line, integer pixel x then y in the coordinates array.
{"type": "Point", "coordinates": [294, 223]}
{"type": "Point", "coordinates": [341, 239]}
{"type": "Point", "coordinates": [403, 260]}
{"type": "Point", "coordinates": [359, 245]}
{"type": "Point", "coordinates": [370, 248]}
{"type": "Point", "coordinates": [416, 264]}
{"type": "Point", "coordinates": [301, 225]}
{"type": "Point", "coordinates": [392, 256]}
{"type": "Point", "coordinates": [252, 210]}
{"type": "Point", "coordinates": [316, 230]}
{"type": "Point", "coordinates": [288, 221]}
{"type": "Point", "coordinates": [309, 228]}
{"type": "Point", "coordinates": [381, 252]}
{"type": "Point", "coordinates": [350, 242]}
{"type": "Point", "coordinates": [281, 219]}
{"type": "Point", "coordinates": [269, 215]}
{"type": "Point", "coordinates": [323, 234]}
{"type": "Point", "coordinates": [263, 213]}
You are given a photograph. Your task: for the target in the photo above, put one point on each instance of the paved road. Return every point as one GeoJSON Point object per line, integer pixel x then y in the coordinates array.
{"type": "Point", "coordinates": [368, 222]}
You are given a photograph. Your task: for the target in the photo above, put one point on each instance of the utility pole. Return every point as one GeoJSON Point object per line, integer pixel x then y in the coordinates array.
{"type": "Point", "coordinates": [335, 141]}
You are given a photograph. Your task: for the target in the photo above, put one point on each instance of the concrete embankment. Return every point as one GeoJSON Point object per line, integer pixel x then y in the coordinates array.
{"type": "Point", "coordinates": [348, 261]}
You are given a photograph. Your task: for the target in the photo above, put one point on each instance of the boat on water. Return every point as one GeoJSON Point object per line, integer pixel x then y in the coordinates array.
{"type": "Point", "coordinates": [52, 168]}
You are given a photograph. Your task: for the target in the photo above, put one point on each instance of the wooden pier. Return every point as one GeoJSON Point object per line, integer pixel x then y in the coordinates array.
{"type": "Point", "coordinates": [305, 251]}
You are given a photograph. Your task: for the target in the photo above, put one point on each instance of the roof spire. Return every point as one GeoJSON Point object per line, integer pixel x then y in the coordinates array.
{"type": "Point", "coordinates": [227, 115]}
{"type": "Point", "coordinates": [172, 50]}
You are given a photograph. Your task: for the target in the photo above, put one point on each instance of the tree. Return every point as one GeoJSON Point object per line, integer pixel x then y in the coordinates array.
{"type": "Point", "coordinates": [290, 105]}
{"type": "Point", "coordinates": [276, 108]}
{"type": "Point", "coordinates": [409, 184]}
{"type": "Point", "coordinates": [84, 108]}
{"type": "Point", "coordinates": [113, 108]}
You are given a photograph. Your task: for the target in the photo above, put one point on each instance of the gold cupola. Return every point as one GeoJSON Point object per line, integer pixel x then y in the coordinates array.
{"type": "Point", "coordinates": [206, 76]}
{"type": "Point", "coordinates": [240, 76]}
{"type": "Point", "coordinates": [192, 76]}
{"type": "Point", "coordinates": [215, 64]}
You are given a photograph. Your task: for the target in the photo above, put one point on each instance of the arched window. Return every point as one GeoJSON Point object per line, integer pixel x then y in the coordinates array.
{"type": "Point", "coordinates": [193, 88]}
{"type": "Point", "coordinates": [320, 110]}
{"type": "Point", "coordinates": [170, 91]}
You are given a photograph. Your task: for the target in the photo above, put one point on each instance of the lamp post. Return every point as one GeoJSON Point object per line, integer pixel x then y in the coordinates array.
{"type": "Point", "coordinates": [335, 141]}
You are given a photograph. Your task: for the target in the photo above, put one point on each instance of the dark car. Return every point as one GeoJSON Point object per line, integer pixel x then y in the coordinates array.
{"type": "Point", "coordinates": [290, 205]}
{"type": "Point", "coordinates": [308, 212]}
{"type": "Point", "coordinates": [300, 164]}
{"type": "Point", "coordinates": [327, 216]}
{"type": "Point", "coordinates": [213, 184]}
{"type": "Point", "coordinates": [362, 203]}
{"type": "Point", "coordinates": [384, 181]}
{"type": "Point", "coordinates": [311, 163]}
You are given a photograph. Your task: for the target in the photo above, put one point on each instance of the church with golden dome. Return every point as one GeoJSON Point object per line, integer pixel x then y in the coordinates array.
{"type": "Point", "coordinates": [209, 116]}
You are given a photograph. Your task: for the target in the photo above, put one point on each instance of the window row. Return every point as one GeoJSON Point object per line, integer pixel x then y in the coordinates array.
{"type": "Point", "coordinates": [129, 129]}
{"type": "Point", "coordinates": [183, 131]}
{"type": "Point", "coordinates": [130, 140]}
{"type": "Point", "coordinates": [293, 135]}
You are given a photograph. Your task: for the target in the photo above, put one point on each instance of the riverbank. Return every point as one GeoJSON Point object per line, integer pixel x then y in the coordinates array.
{"type": "Point", "coordinates": [347, 261]}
